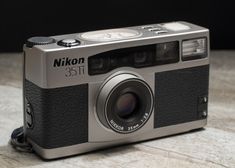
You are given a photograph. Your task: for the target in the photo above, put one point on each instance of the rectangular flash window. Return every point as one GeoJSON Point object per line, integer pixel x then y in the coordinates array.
{"type": "Point", "coordinates": [194, 49]}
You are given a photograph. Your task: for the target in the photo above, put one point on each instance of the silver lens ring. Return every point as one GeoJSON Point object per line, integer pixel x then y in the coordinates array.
{"type": "Point", "coordinates": [124, 103]}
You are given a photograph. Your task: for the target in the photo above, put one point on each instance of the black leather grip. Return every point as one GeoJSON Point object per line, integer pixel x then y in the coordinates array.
{"type": "Point", "coordinates": [60, 115]}
{"type": "Point", "coordinates": [178, 94]}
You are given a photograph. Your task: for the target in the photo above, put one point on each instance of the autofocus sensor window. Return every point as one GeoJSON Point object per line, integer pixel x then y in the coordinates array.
{"type": "Point", "coordinates": [167, 52]}
{"type": "Point", "coordinates": [124, 103]}
{"type": "Point", "coordinates": [98, 65]}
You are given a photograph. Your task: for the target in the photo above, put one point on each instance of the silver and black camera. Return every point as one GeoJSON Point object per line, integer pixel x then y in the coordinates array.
{"type": "Point", "coordinates": [92, 90]}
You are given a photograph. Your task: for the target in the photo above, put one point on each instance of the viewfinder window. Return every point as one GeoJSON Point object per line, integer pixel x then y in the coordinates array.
{"type": "Point", "coordinates": [137, 57]}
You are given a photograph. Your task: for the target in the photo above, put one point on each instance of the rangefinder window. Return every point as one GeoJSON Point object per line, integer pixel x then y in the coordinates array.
{"type": "Point", "coordinates": [137, 57]}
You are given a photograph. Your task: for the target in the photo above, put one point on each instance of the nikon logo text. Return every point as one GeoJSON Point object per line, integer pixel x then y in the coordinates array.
{"type": "Point", "coordinates": [68, 61]}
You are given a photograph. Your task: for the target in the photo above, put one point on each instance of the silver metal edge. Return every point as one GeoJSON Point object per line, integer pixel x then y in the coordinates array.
{"type": "Point", "coordinates": [87, 147]}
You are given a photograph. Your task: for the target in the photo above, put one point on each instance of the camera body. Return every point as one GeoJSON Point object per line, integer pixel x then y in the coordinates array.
{"type": "Point", "coordinates": [93, 90]}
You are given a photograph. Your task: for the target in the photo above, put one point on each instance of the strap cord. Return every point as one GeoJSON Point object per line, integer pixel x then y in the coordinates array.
{"type": "Point", "coordinates": [18, 141]}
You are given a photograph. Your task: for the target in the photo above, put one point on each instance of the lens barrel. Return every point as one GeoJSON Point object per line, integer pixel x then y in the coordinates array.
{"type": "Point", "coordinates": [125, 103]}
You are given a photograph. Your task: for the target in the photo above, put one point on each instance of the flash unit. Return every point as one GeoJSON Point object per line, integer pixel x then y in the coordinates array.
{"type": "Point", "coordinates": [194, 49]}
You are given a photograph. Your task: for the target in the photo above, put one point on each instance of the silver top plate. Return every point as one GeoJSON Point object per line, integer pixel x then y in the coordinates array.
{"type": "Point", "coordinates": [39, 60]}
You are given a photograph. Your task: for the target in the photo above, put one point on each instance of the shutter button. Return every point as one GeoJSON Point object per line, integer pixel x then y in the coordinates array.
{"type": "Point", "coordinates": [68, 42]}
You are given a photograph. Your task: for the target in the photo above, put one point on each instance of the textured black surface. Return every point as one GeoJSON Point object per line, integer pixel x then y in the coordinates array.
{"type": "Point", "coordinates": [60, 115]}
{"type": "Point", "coordinates": [177, 95]}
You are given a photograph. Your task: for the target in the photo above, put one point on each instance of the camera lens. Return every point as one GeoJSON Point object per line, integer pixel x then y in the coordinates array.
{"type": "Point", "coordinates": [126, 105]}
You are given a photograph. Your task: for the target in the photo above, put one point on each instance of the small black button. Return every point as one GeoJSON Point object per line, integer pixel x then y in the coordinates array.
{"type": "Point", "coordinates": [148, 27]}
{"type": "Point", "coordinates": [155, 29]}
{"type": "Point", "coordinates": [28, 114]}
{"type": "Point", "coordinates": [161, 31]}
{"type": "Point", "coordinates": [202, 106]}
{"type": "Point", "coordinates": [39, 41]}
{"type": "Point", "coordinates": [28, 109]}
{"type": "Point", "coordinates": [203, 99]}
{"type": "Point", "coordinates": [69, 42]}
{"type": "Point", "coordinates": [29, 120]}
{"type": "Point", "coordinates": [204, 113]}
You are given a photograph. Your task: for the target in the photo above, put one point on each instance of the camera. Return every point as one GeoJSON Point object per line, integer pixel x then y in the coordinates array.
{"type": "Point", "coordinates": [93, 90]}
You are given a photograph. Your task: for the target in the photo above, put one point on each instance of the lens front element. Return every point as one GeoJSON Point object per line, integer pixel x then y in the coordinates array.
{"type": "Point", "coordinates": [125, 103]}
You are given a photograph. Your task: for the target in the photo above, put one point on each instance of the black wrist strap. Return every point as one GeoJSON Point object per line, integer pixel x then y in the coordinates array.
{"type": "Point", "coordinates": [18, 141]}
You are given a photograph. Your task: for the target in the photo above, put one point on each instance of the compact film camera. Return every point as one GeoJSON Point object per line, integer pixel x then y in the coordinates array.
{"type": "Point", "coordinates": [93, 90]}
